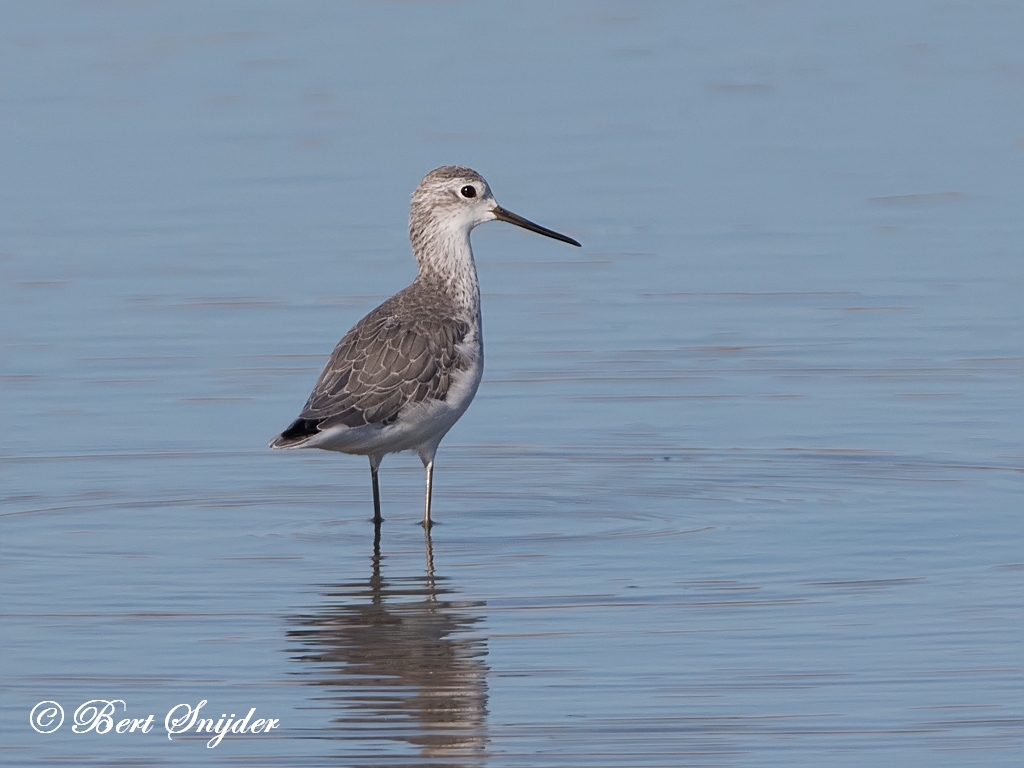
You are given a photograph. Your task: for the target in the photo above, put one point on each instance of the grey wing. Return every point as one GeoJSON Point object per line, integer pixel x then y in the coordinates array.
{"type": "Point", "coordinates": [384, 364]}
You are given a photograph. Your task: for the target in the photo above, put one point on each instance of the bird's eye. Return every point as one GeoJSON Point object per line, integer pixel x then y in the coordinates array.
{"type": "Point", "coordinates": [468, 191]}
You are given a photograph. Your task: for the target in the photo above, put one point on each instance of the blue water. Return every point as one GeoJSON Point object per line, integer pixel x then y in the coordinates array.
{"type": "Point", "coordinates": [742, 484]}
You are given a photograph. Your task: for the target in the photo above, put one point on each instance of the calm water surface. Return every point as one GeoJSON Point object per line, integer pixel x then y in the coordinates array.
{"type": "Point", "coordinates": [741, 487]}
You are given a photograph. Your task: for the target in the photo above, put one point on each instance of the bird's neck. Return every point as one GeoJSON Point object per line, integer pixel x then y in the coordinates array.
{"type": "Point", "coordinates": [446, 261]}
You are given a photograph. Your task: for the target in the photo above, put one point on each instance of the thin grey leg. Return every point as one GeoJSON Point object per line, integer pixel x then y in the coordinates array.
{"type": "Point", "coordinates": [431, 586]}
{"type": "Point", "coordinates": [376, 492]}
{"type": "Point", "coordinates": [430, 483]}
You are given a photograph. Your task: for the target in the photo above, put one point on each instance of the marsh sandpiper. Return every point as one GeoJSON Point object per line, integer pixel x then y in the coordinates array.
{"type": "Point", "coordinates": [402, 377]}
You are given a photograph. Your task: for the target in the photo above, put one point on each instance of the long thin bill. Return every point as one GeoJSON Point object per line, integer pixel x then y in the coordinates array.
{"type": "Point", "coordinates": [502, 215]}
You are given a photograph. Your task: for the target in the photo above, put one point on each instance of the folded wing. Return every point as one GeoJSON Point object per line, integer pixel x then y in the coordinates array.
{"type": "Point", "coordinates": [388, 362]}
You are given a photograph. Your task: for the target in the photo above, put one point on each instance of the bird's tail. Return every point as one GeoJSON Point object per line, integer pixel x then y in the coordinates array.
{"type": "Point", "coordinates": [297, 435]}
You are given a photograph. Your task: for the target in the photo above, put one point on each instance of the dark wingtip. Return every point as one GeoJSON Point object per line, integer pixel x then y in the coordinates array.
{"type": "Point", "coordinates": [297, 433]}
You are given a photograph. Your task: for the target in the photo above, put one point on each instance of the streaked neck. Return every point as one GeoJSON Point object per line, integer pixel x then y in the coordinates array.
{"type": "Point", "coordinates": [445, 259]}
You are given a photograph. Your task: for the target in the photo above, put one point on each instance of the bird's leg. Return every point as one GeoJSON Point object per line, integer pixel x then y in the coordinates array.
{"type": "Point", "coordinates": [426, 453]}
{"type": "Point", "coordinates": [431, 585]}
{"type": "Point", "coordinates": [374, 465]}
{"type": "Point", "coordinates": [430, 481]}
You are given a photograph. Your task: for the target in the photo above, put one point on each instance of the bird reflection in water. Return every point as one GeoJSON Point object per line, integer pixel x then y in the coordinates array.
{"type": "Point", "coordinates": [402, 658]}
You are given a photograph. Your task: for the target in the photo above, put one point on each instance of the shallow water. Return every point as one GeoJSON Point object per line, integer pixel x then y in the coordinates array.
{"type": "Point", "coordinates": [742, 484]}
